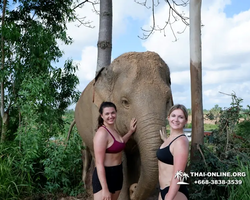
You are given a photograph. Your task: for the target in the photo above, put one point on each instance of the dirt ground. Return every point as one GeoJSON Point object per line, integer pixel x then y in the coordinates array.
{"type": "Point", "coordinates": [206, 121]}
{"type": "Point", "coordinates": [90, 198]}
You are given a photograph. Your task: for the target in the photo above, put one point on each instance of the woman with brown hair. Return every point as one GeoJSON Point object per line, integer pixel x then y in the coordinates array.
{"type": "Point", "coordinates": [108, 146]}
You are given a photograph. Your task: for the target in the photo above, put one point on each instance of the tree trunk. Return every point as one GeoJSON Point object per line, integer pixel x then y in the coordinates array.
{"type": "Point", "coordinates": [3, 127]}
{"type": "Point", "coordinates": [105, 35]}
{"type": "Point", "coordinates": [196, 76]}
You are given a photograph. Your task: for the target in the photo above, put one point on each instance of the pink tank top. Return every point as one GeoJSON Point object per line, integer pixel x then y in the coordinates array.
{"type": "Point", "coordinates": [116, 147]}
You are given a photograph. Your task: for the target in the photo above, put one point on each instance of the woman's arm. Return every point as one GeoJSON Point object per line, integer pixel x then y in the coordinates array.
{"type": "Point", "coordinates": [131, 130]}
{"type": "Point", "coordinates": [163, 134]}
{"type": "Point", "coordinates": [100, 145]}
{"type": "Point", "coordinates": [180, 154]}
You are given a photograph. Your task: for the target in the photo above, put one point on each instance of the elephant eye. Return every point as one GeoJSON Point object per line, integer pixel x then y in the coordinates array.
{"type": "Point", "coordinates": [125, 102]}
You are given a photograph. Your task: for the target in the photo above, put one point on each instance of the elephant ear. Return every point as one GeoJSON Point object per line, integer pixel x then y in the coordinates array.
{"type": "Point", "coordinates": [103, 86]}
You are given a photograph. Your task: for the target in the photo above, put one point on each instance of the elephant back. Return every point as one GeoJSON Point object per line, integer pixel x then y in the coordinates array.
{"type": "Point", "coordinates": [86, 114]}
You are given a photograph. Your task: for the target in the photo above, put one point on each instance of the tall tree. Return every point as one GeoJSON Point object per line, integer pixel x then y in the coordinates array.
{"type": "Point", "coordinates": [105, 35]}
{"type": "Point", "coordinates": [3, 115]}
{"type": "Point", "coordinates": [30, 75]}
{"type": "Point", "coordinates": [196, 76]}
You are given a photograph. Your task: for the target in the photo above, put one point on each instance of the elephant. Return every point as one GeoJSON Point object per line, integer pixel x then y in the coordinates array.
{"type": "Point", "coordinates": [138, 83]}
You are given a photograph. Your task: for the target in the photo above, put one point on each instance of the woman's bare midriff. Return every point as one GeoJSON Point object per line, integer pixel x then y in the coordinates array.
{"type": "Point", "coordinates": [165, 174]}
{"type": "Point", "coordinates": [113, 159]}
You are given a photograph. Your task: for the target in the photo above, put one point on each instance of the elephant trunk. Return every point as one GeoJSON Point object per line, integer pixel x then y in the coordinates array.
{"type": "Point", "coordinates": [148, 140]}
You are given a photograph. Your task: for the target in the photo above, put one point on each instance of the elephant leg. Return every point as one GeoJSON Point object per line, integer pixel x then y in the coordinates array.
{"type": "Point", "coordinates": [125, 187]}
{"type": "Point", "coordinates": [86, 164]}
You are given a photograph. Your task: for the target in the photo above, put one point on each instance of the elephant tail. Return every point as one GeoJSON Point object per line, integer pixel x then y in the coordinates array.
{"type": "Point", "coordinates": [69, 132]}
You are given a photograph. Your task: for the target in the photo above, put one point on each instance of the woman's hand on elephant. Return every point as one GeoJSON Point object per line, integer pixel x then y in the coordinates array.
{"type": "Point", "coordinates": [132, 129]}
{"type": "Point", "coordinates": [133, 124]}
{"type": "Point", "coordinates": [163, 133]}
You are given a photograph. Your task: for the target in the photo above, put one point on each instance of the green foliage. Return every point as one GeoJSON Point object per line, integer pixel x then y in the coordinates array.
{"type": "Point", "coordinates": [210, 127]}
{"type": "Point", "coordinates": [63, 166]}
{"type": "Point", "coordinates": [241, 191]}
{"type": "Point", "coordinates": [207, 127]}
{"type": "Point", "coordinates": [36, 95]}
{"type": "Point", "coordinates": [189, 125]}
{"type": "Point", "coordinates": [210, 116]}
{"type": "Point", "coordinates": [226, 151]}
{"type": "Point", "coordinates": [243, 129]}
{"type": "Point", "coordinates": [29, 72]}
{"type": "Point", "coordinates": [214, 113]}
{"type": "Point", "coordinates": [210, 163]}
{"type": "Point", "coordinates": [18, 172]}
{"type": "Point", "coordinates": [34, 160]}
{"type": "Point", "coordinates": [245, 113]}
{"type": "Point", "coordinates": [36, 165]}
{"type": "Point", "coordinates": [12, 182]}
{"type": "Point", "coordinates": [228, 144]}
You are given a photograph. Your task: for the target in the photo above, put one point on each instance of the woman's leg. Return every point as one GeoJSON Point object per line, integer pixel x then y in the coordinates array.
{"type": "Point", "coordinates": [159, 197]}
{"type": "Point", "coordinates": [98, 195]}
{"type": "Point", "coordinates": [180, 196]}
{"type": "Point", "coordinates": [182, 193]}
{"type": "Point", "coordinates": [115, 195]}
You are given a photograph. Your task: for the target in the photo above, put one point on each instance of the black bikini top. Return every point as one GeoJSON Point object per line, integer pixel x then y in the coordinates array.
{"type": "Point", "coordinates": [164, 154]}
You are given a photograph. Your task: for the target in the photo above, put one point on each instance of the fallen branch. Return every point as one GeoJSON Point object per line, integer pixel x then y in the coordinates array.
{"type": "Point", "coordinates": [198, 147]}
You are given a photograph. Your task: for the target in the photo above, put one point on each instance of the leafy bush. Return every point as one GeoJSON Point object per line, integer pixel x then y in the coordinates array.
{"type": "Point", "coordinates": [35, 166]}
{"type": "Point", "coordinates": [243, 129]}
{"type": "Point", "coordinates": [228, 152]}
{"type": "Point", "coordinates": [208, 162]}
{"type": "Point", "coordinates": [63, 166]}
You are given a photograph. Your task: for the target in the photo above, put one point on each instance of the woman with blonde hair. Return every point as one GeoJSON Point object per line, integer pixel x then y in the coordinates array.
{"type": "Point", "coordinates": [173, 156]}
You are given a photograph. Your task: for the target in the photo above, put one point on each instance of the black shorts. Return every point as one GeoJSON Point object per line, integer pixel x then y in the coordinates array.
{"type": "Point", "coordinates": [183, 189]}
{"type": "Point", "coordinates": [114, 177]}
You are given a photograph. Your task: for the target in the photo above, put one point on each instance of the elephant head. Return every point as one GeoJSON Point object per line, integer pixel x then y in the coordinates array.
{"type": "Point", "coordinates": [139, 85]}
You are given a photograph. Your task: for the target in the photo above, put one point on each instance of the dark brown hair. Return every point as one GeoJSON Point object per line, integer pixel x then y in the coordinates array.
{"type": "Point", "coordinates": [104, 104]}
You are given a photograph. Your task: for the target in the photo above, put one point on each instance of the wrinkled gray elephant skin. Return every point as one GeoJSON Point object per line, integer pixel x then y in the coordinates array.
{"type": "Point", "coordinates": [139, 85]}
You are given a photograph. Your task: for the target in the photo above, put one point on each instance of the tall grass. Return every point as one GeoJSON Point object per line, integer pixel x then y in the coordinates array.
{"type": "Point", "coordinates": [241, 191]}
{"type": "Point", "coordinates": [13, 182]}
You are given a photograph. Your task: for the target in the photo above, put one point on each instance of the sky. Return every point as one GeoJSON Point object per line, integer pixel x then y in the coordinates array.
{"type": "Point", "coordinates": [225, 47]}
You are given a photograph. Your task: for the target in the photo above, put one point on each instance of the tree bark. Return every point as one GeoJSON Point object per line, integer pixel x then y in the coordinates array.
{"type": "Point", "coordinates": [196, 77]}
{"type": "Point", "coordinates": [3, 118]}
{"type": "Point", "coordinates": [105, 35]}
